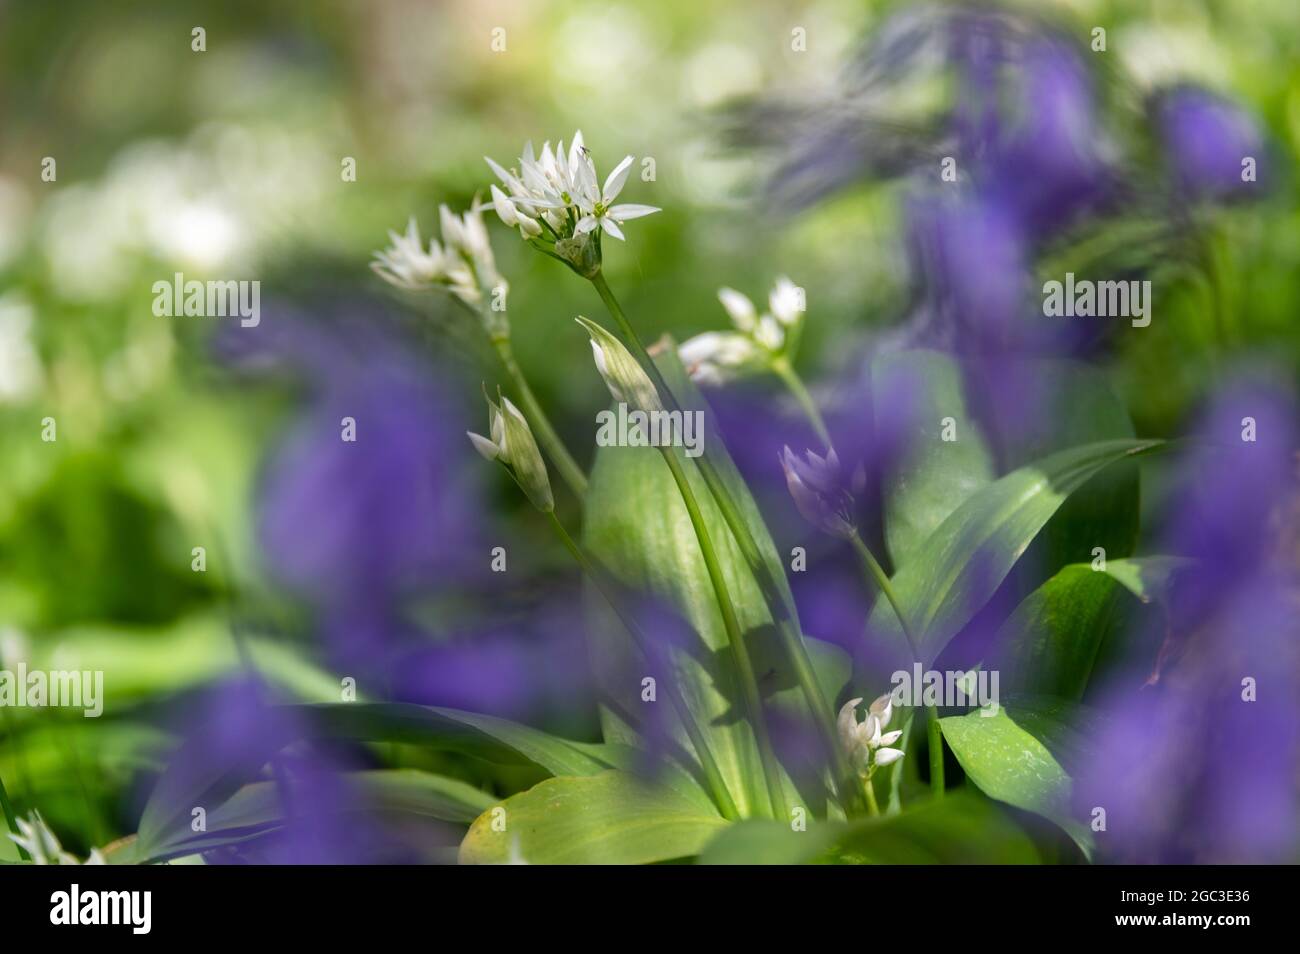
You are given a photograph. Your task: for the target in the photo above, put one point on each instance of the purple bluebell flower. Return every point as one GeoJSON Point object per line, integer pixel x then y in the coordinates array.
{"type": "Point", "coordinates": [1047, 165]}
{"type": "Point", "coordinates": [971, 256]}
{"type": "Point", "coordinates": [1196, 761]}
{"type": "Point", "coordinates": [366, 502]}
{"type": "Point", "coordinates": [1208, 143]}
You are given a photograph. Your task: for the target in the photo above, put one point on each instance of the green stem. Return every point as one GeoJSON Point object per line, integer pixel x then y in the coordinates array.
{"type": "Point", "coordinates": [744, 665]}
{"type": "Point", "coordinates": [784, 370]}
{"type": "Point", "coordinates": [713, 775]}
{"type": "Point", "coordinates": [934, 732]}
{"type": "Point", "coordinates": [934, 735]}
{"type": "Point", "coordinates": [845, 778]}
{"type": "Point", "coordinates": [568, 468]}
{"type": "Point", "coordinates": [870, 788]}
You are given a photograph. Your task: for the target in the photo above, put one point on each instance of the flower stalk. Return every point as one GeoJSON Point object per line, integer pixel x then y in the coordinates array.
{"type": "Point", "coordinates": [570, 472]}
{"type": "Point", "coordinates": [736, 639]}
{"type": "Point", "coordinates": [712, 774]}
{"type": "Point", "coordinates": [773, 596]}
{"type": "Point", "coordinates": [784, 370]}
{"type": "Point", "coordinates": [934, 732]}
{"type": "Point", "coordinates": [628, 383]}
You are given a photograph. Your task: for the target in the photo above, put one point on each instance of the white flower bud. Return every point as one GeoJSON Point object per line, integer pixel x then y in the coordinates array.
{"type": "Point", "coordinates": [739, 308]}
{"type": "Point", "coordinates": [885, 757]}
{"type": "Point", "coordinates": [769, 333]}
{"type": "Point", "coordinates": [786, 301]}
{"type": "Point", "coordinates": [623, 375]}
{"type": "Point", "coordinates": [505, 209]}
{"type": "Point", "coordinates": [513, 446]}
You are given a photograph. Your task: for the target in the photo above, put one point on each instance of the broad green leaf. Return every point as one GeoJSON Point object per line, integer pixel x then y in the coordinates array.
{"type": "Point", "coordinates": [166, 816]}
{"type": "Point", "coordinates": [964, 561]}
{"type": "Point", "coordinates": [146, 660]}
{"type": "Point", "coordinates": [1017, 756]}
{"type": "Point", "coordinates": [1053, 642]}
{"type": "Point", "coordinates": [1076, 406]}
{"type": "Point", "coordinates": [257, 808]}
{"type": "Point", "coordinates": [935, 475]}
{"type": "Point", "coordinates": [960, 829]}
{"type": "Point", "coordinates": [486, 737]}
{"type": "Point", "coordinates": [1050, 643]}
{"type": "Point", "coordinates": [405, 791]}
{"type": "Point", "coordinates": [610, 818]}
{"type": "Point", "coordinates": [1147, 578]}
{"type": "Point", "coordinates": [637, 526]}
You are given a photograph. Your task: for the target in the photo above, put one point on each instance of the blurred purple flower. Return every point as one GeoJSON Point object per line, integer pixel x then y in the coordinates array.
{"type": "Point", "coordinates": [516, 666]}
{"type": "Point", "coordinates": [375, 516]}
{"type": "Point", "coordinates": [971, 257]}
{"type": "Point", "coordinates": [1046, 167]}
{"type": "Point", "coordinates": [1206, 138]}
{"type": "Point", "coordinates": [1192, 768]}
{"type": "Point", "coordinates": [363, 503]}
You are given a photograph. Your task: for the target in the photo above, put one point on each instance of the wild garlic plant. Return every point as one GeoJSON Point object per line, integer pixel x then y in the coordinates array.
{"type": "Point", "coordinates": [555, 202]}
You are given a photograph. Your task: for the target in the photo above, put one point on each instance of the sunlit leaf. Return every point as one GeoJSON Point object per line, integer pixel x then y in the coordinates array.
{"type": "Point", "coordinates": [610, 818]}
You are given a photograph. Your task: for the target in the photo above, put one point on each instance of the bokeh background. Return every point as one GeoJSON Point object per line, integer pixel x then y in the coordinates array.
{"type": "Point", "coordinates": [177, 433]}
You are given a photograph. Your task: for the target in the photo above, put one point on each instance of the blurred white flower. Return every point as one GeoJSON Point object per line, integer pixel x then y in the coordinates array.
{"type": "Point", "coordinates": [39, 841]}
{"type": "Point", "coordinates": [786, 301]}
{"type": "Point", "coordinates": [20, 366]}
{"type": "Point", "coordinates": [714, 358]}
{"type": "Point", "coordinates": [462, 265]}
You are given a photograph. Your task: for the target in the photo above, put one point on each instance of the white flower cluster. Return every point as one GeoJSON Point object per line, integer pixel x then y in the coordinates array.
{"type": "Point", "coordinates": [557, 190]}
{"type": "Point", "coordinates": [866, 743]}
{"type": "Point", "coordinates": [716, 357]}
{"type": "Point", "coordinates": [463, 264]}
{"type": "Point", "coordinates": [36, 838]}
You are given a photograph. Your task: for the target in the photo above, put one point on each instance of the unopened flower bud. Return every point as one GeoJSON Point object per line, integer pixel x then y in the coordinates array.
{"type": "Point", "coordinates": [513, 446]}
{"type": "Point", "coordinates": [623, 375]}
{"type": "Point", "coordinates": [818, 490]}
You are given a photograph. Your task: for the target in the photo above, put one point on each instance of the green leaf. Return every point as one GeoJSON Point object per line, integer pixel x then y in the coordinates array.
{"type": "Point", "coordinates": [1077, 406]}
{"type": "Point", "coordinates": [1016, 757]}
{"type": "Point", "coordinates": [257, 808]}
{"type": "Point", "coordinates": [936, 475]}
{"type": "Point", "coordinates": [610, 818]}
{"type": "Point", "coordinates": [486, 737]}
{"type": "Point", "coordinates": [637, 526]}
{"type": "Point", "coordinates": [166, 817]}
{"type": "Point", "coordinates": [1147, 578]}
{"type": "Point", "coordinates": [1050, 644]}
{"type": "Point", "coordinates": [960, 829]}
{"type": "Point", "coordinates": [964, 561]}
{"type": "Point", "coordinates": [1053, 643]}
